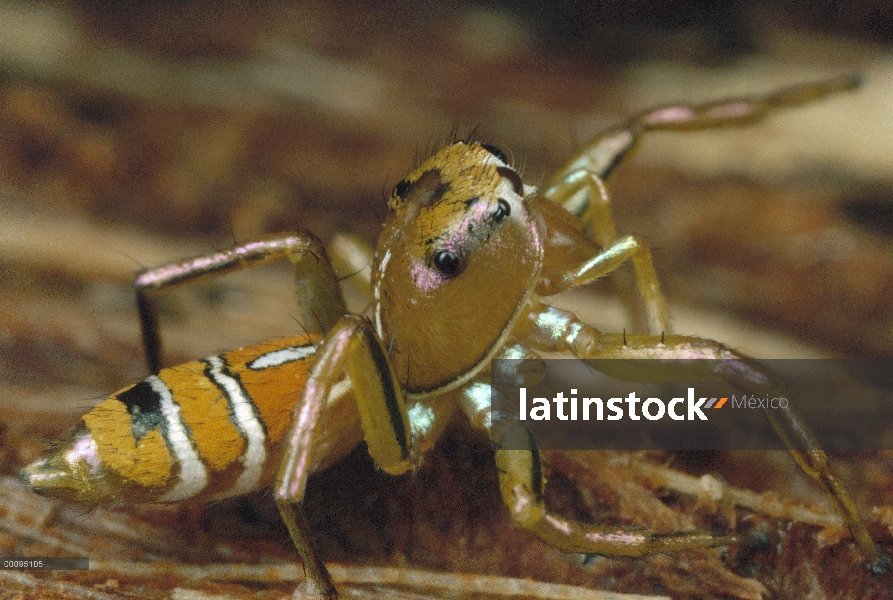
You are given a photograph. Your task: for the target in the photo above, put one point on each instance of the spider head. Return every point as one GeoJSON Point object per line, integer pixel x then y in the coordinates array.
{"type": "Point", "coordinates": [459, 255]}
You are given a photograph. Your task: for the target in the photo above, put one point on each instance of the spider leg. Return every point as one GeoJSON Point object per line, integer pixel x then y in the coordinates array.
{"type": "Point", "coordinates": [573, 258]}
{"type": "Point", "coordinates": [583, 194]}
{"type": "Point", "coordinates": [579, 187]}
{"type": "Point", "coordinates": [352, 259]}
{"type": "Point", "coordinates": [521, 480]}
{"type": "Point", "coordinates": [351, 348]}
{"type": "Point", "coordinates": [549, 329]}
{"type": "Point", "coordinates": [315, 280]}
{"type": "Point", "coordinates": [600, 156]}
{"type": "Point", "coordinates": [521, 484]}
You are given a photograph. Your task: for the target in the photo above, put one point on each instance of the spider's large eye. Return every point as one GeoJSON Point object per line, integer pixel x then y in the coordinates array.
{"type": "Point", "coordinates": [496, 152]}
{"type": "Point", "coordinates": [447, 263]}
{"type": "Point", "coordinates": [502, 211]}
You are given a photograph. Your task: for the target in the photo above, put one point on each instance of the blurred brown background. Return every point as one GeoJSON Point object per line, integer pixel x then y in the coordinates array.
{"type": "Point", "coordinates": [135, 133]}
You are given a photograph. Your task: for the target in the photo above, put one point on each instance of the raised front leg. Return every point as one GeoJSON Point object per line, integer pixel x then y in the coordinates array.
{"type": "Point", "coordinates": [316, 283]}
{"type": "Point", "coordinates": [579, 190]}
{"type": "Point", "coordinates": [600, 156]}
{"type": "Point", "coordinates": [351, 349]}
{"type": "Point", "coordinates": [549, 329]}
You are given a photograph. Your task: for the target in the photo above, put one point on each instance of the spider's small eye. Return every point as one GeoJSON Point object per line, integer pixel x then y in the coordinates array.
{"type": "Point", "coordinates": [496, 152]}
{"type": "Point", "coordinates": [401, 189]}
{"type": "Point", "coordinates": [502, 211]}
{"type": "Point", "coordinates": [447, 263]}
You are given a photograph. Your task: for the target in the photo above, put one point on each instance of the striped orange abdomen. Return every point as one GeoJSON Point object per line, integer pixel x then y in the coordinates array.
{"type": "Point", "coordinates": [206, 429]}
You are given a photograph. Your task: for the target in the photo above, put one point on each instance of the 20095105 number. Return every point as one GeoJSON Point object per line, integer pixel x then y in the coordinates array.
{"type": "Point", "coordinates": [22, 564]}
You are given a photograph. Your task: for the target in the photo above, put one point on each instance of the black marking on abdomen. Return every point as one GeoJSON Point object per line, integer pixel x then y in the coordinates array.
{"type": "Point", "coordinates": [144, 405]}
